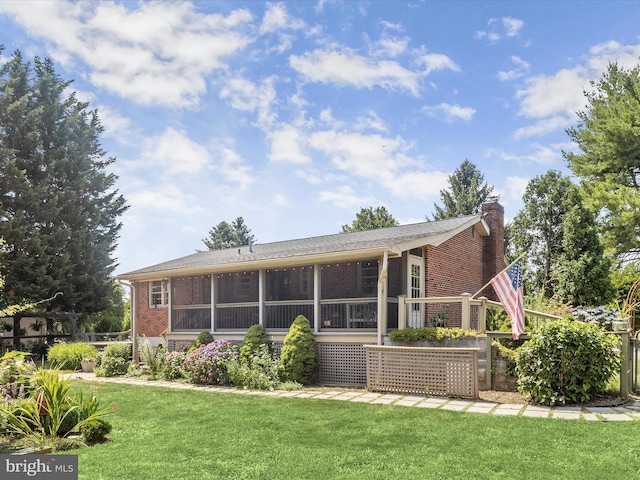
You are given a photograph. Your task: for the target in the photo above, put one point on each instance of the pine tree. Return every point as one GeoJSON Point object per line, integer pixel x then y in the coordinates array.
{"type": "Point", "coordinates": [369, 219]}
{"type": "Point", "coordinates": [225, 235]}
{"type": "Point", "coordinates": [58, 204]}
{"type": "Point", "coordinates": [468, 191]}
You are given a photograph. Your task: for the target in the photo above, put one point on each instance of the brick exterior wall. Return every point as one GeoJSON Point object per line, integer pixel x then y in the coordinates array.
{"type": "Point", "coordinates": [455, 266]}
{"type": "Point", "coordinates": [493, 254]}
{"type": "Point", "coordinates": [152, 321]}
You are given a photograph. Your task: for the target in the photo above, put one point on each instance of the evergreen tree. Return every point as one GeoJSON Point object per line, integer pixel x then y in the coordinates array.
{"type": "Point", "coordinates": [225, 235]}
{"type": "Point", "coordinates": [369, 219]}
{"type": "Point", "coordinates": [468, 191]}
{"type": "Point", "coordinates": [582, 273]}
{"type": "Point", "coordinates": [538, 229]}
{"type": "Point", "coordinates": [608, 165]}
{"type": "Point", "coordinates": [58, 204]}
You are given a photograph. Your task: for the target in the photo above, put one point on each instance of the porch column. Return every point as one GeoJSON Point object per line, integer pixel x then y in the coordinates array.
{"type": "Point", "coordinates": [316, 297]}
{"type": "Point", "coordinates": [402, 312]}
{"type": "Point", "coordinates": [261, 288]}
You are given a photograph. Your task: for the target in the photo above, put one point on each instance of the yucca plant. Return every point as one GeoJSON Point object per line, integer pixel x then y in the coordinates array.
{"type": "Point", "coordinates": [52, 412]}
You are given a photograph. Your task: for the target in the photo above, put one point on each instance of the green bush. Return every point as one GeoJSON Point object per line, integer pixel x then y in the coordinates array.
{"type": "Point", "coordinates": [69, 355]}
{"type": "Point", "coordinates": [95, 430]}
{"type": "Point", "coordinates": [566, 362]}
{"type": "Point", "coordinates": [260, 371]}
{"type": "Point", "coordinates": [430, 334]}
{"type": "Point", "coordinates": [204, 338]}
{"type": "Point", "coordinates": [255, 337]}
{"type": "Point", "coordinates": [299, 356]}
{"type": "Point", "coordinates": [113, 361]}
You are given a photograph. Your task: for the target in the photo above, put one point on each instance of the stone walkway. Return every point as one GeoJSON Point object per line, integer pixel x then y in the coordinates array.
{"type": "Point", "coordinates": [628, 412]}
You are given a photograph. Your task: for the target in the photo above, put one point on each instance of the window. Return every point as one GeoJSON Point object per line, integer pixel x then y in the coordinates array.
{"type": "Point", "coordinates": [159, 293]}
{"type": "Point", "coordinates": [242, 286]}
{"type": "Point", "coordinates": [368, 278]}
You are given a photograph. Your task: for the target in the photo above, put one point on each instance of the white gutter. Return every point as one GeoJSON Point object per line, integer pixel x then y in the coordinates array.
{"type": "Point", "coordinates": [381, 293]}
{"type": "Point", "coordinates": [133, 310]}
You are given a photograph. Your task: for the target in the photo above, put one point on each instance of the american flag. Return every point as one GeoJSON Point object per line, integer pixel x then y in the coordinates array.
{"type": "Point", "coordinates": [508, 285]}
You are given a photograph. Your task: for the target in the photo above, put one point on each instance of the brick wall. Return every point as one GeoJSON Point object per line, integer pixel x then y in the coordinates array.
{"type": "Point", "coordinates": [493, 253]}
{"type": "Point", "coordinates": [152, 321]}
{"type": "Point", "coordinates": [455, 266]}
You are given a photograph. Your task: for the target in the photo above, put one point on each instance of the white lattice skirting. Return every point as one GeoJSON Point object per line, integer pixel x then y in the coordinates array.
{"type": "Point", "coordinates": [446, 372]}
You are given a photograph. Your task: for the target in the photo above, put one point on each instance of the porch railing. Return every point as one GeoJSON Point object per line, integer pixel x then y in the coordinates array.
{"type": "Point", "coordinates": [463, 311]}
{"type": "Point", "coordinates": [191, 318]}
{"type": "Point", "coordinates": [349, 313]}
{"type": "Point", "coordinates": [280, 315]}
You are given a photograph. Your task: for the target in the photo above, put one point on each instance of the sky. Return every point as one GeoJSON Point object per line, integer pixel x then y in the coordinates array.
{"type": "Point", "coordinates": [294, 115]}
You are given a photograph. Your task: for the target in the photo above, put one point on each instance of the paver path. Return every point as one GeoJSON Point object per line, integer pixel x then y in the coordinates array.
{"type": "Point", "coordinates": [628, 412]}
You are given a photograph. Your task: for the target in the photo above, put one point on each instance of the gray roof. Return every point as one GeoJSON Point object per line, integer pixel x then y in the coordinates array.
{"type": "Point", "coordinates": [315, 249]}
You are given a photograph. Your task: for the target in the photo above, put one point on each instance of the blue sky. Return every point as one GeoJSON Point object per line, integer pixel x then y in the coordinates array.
{"type": "Point", "coordinates": [294, 115]}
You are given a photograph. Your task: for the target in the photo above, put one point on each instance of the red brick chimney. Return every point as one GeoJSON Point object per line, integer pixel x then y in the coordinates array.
{"type": "Point", "coordinates": [493, 249]}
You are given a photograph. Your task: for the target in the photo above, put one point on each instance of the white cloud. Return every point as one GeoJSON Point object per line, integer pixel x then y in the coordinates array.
{"type": "Point", "coordinates": [166, 197]}
{"type": "Point", "coordinates": [449, 113]}
{"type": "Point", "coordinates": [512, 25]}
{"type": "Point", "coordinates": [387, 46]}
{"type": "Point", "coordinates": [436, 61]}
{"type": "Point", "coordinates": [371, 122]}
{"type": "Point", "coordinates": [347, 68]}
{"type": "Point", "coordinates": [288, 144]}
{"type": "Point", "coordinates": [245, 95]}
{"type": "Point", "coordinates": [521, 69]}
{"type": "Point", "coordinates": [159, 53]}
{"type": "Point", "coordinates": [542, 154]}
{"type": "Point", "coordinates": [345, 197]}
{"type": "Point", "coordinates": [175, 153]}
{"type": "Point", "coordinates": [277, 18]}
{"type": "Point", "coordinates": [546, 96]}
{"type": "Point", "coordinates": [233, 167]}
{"type": "Point", "coordinates": [508, 26]}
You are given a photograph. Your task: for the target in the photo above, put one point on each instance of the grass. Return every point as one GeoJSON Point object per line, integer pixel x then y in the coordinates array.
{"type": "Point", "coordinates": [162, 433]}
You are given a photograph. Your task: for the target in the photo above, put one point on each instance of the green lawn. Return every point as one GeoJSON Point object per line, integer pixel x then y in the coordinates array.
{"type": "Point", "coordinates": [162, 433]}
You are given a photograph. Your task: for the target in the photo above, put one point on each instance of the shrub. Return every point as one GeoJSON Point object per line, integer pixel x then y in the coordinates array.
{"type": "Point", "coordinates": [255, 337]}
{"type": "Point", "coordinates": [95, 430]}
{"type": "Point", "coordinates": [206, 364]}
{"type": "Point", "coordinates": [204, 338]}
{"type": "Point", "coordinates": [174, 365]}
{"type": "Point", "coordinates": [152, 357]}
{"type": "Point", "coordinates": [566, 362]}
{"type": "Point", "coordinates": [429, 334]}
{"type": "Point", "coordinates": [70, 355]}
{"type": "Point", "coordinates": [260, 371]}
{"type": "Point", "coordinates": [15, 374]}
{"type": "Point", "coordinates": [113, 361]}
{"type": "Point", "coordinates": [299, 356]}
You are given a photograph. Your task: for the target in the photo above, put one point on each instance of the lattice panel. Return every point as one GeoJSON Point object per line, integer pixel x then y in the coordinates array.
{"type": "Point", "coordinates": [342, 364]}
{"type": "Point", "coordinates": [447, 372]}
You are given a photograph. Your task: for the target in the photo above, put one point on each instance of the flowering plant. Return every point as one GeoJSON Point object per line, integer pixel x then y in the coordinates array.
{"type": "Point", "coordinates": [206, 364]}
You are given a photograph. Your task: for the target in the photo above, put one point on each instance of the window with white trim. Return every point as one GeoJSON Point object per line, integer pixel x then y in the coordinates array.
{"type": "Point", "coordinates": [159, 293]}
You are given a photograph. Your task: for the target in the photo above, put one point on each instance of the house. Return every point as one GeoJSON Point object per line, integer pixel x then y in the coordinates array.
{"type": "Point", "coordinates": [348, 285]}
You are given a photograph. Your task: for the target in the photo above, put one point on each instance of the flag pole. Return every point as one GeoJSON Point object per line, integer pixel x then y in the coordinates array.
{"type": "Point", "coordinates": [499, 273]}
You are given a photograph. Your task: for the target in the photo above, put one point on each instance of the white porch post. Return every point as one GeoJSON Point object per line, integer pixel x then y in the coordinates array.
{"type": "Point", "coordinates": [316, 298]}
{"type": "Point", "coordinates": [402, 312]}
{"type": "Point", "coordinates": [261, 289]}
{"type": "Point", "coordinates": [466, 311]}
{"type": "Point", "coordinates": [214, 280]}
{"type": "Point", "coordinates": [381, 293]}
